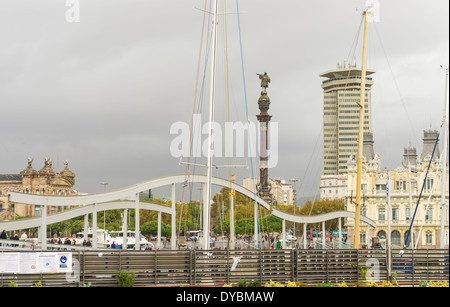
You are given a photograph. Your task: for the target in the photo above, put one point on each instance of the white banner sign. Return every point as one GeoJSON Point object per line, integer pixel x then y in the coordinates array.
{"type": "Point", "coordinates": [36, 262]}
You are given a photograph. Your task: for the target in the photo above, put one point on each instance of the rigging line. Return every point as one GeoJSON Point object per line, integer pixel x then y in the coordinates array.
{"type": "Point", "coordinates": [202, 91]}
{"type": "Point", "coordinates": [245, 96]}
{"type": "Point", "coordinates": [228, 118]}
{"type": "Point", "coordinates": [355, 42]}
{"type": "Point", "coordinates": [315, 197]}
{"type": "Point", "coordinates": [227, 84]}
{"type": "Point", "coordinates": [200, 97]}
{"type": "Point", "coordinates": [360, 103]}
{"type": "Point", "coordinates": [421, 191]}
{"type": "Point", "coordinates": [353, 47]}
{"type": "Point", "coordinates": [396, 83]}
{"type": "Point", "coordinates": [197, 79]}
{"type": "Point", "coordinates": [427, 207]}
{"type": "Point", "coordinates": [187, 172]}
{"type": "Point", "coordinates": [310, 159]}
{"type": "Point", "coordinates": [315, 189]}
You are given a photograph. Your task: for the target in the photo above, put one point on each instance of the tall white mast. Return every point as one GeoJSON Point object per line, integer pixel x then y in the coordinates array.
{"type": "Point", "coordinates": [206, 207]}
{"type": "Point", "coordinates": [444, 160]}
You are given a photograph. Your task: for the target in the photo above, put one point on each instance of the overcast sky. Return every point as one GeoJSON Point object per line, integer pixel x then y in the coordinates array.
{"type": "Point", "coordinates": [103, 92]}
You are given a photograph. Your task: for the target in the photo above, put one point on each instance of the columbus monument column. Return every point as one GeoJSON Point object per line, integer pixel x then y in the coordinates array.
{"type": "Point", "coordinates": [264, 119]}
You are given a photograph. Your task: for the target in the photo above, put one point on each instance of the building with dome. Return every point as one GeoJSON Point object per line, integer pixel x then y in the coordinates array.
{"type": "Point", "coordinates": [45, 181]}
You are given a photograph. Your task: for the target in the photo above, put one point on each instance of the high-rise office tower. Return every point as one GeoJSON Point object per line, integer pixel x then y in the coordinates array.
{"type": "Point", "coordinates": [341, 93]}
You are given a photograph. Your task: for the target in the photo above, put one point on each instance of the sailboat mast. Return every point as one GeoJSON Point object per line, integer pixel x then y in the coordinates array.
{"type": "Point", "coordinates": [207, 206]}
{"type": "Point", "coordinates": [361, 133]}
{"type": "Point", "coordinates": [444, 164]}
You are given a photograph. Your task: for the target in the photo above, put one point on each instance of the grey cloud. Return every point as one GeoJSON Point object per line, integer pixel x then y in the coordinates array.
{"type": "Point", "coordinates": [104, 92]}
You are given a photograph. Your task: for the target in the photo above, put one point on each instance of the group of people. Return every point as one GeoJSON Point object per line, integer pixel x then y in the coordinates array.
{"type": "Point", "coordinates": [4, 236]}
{"type": "Point", "coordinates": [68, 241]}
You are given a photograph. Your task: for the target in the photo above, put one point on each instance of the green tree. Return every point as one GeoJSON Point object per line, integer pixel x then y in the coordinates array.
{"type": "Point", "coordinates": [151, 229]}
{"type": "Point", "coordinates": [320, 207]}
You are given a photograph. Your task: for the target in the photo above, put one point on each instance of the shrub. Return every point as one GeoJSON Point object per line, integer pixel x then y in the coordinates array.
{"type": "Point", "coordinates": [125, 279]}
{"type": "Point", "coordinates": [254, 284]}
{"type": "Point", "coordinates": [324, 285]}
{"type": "Point", "coordinates": [242, 283]}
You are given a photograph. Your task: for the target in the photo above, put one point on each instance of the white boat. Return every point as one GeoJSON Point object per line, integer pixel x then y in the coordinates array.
{"type": "Point", "coordinates": [116, 237]}
{"type": "Point", "coordinates": [291, 242]}
{"type": "Point", "coordinates": [290, 237]}
{"type": "Point", "coordinates": [103, 237]}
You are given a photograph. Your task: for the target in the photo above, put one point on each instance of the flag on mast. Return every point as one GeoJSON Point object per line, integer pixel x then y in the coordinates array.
{"type": "Point", "coordinates": [233, 179]}
{"type": "Point", "coordinates": [387, 186]}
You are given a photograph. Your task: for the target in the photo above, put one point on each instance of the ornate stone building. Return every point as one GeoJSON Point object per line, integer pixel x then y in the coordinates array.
{"type": "Point", "coordinates": [335, 186]}
{"type": "Point", "coordinates": [45, 181]}
{"type": "Point", "coordinates": [409, 176]}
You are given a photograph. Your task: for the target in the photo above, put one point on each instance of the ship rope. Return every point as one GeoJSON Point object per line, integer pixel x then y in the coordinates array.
{"type": "Point", "coordinates": [421, 191]}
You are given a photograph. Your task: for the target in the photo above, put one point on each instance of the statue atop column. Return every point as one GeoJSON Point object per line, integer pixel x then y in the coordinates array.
{"type": "Point", "coordinates": [265, 80]}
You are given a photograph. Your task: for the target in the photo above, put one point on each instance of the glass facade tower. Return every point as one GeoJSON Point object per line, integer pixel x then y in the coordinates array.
{"type": "Point", "coordinates": [341, 94]}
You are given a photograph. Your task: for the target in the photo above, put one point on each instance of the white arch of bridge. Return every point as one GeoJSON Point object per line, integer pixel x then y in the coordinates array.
{"type": "Point", "coordinates": [129, 199]}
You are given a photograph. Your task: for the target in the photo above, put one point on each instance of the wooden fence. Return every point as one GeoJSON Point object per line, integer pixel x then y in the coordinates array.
{"type": "Point", "coordinates": [218, 267]}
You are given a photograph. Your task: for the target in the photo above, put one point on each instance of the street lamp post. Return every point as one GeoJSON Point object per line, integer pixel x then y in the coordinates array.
{"type": "Point", "coordinates": [104, 212]}
{"type": "Point", "coordinates": [104, 185]}
{"type": "Point", "coordinates": [295, 196]}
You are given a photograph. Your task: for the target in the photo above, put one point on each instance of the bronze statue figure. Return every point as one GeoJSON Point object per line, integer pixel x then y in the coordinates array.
{"type": "Point", "coordinates": [265, 80]}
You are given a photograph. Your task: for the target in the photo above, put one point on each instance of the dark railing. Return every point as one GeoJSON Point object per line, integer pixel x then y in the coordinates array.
{"type": "Point", "coordinates": [218, 267]}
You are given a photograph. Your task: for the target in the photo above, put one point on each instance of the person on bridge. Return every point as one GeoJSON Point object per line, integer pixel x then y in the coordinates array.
{"type": "Point", "coordinates": [3, 235]}
{"type": "Point", "coordinates": [24, 236]}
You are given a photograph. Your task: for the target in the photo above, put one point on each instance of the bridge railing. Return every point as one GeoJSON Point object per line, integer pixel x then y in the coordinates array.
{"type": "Point", "coordinates": [16, 244]}
{"type": "Point", "coordinates": [32, 245]}
{"type": "Point", "coordinates": [218, 267]}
